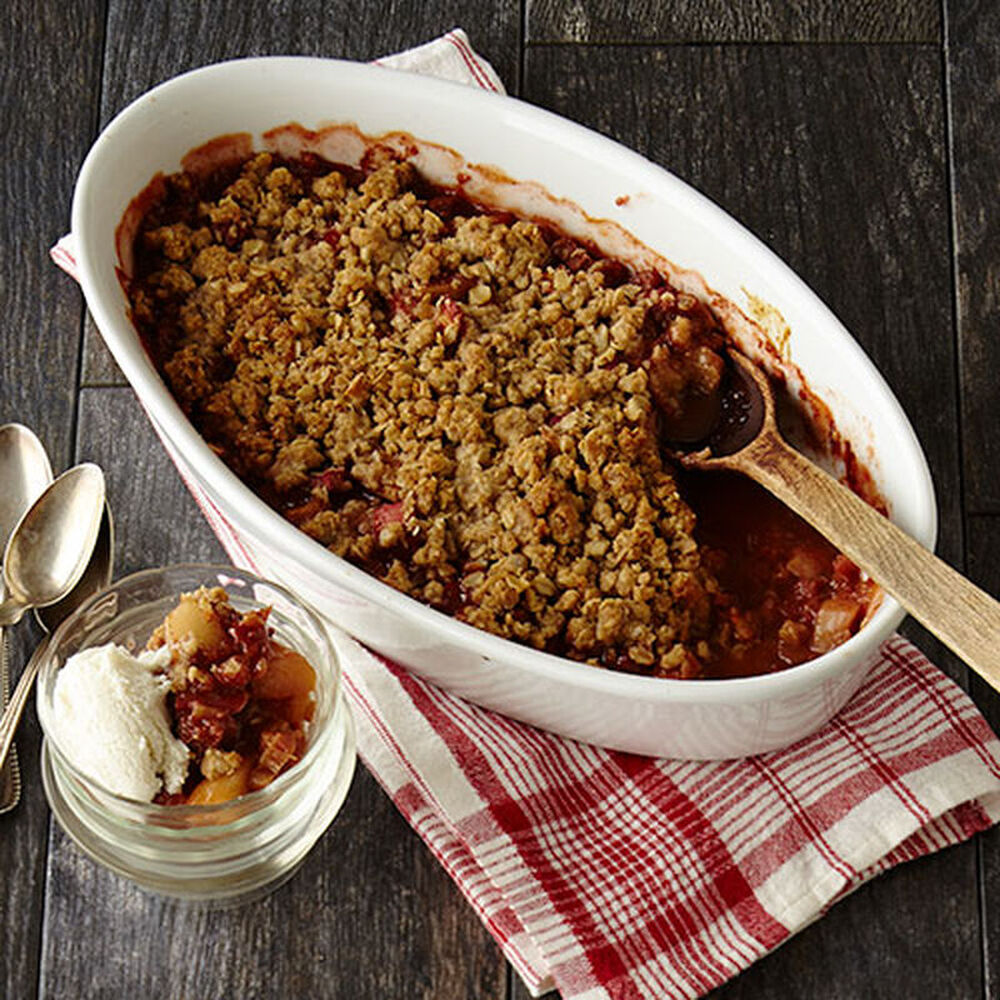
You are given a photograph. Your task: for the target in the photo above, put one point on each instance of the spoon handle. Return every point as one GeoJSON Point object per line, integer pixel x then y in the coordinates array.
{"type": "Point", "coordinates": [10, 772]}
{"type": "Point", "coordinates": [12, 713]}
{"type": "Point", "coordinates": [961, 615]}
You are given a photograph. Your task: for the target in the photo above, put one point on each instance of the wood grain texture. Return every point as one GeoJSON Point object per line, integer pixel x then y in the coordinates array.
{"type": "Point", "coordinates": [684, 21]}
{"type": "Point", "coordinates": [835, 157]}
{"type": "Point", "coordinates": [148, 43]}
{"type": "Point", "coordinates": [984, 568]}
{"type": "Point", "coordinates": [46, 117]}
{"type": "Point", "coordinates": [973, 59]}
{"type": "Point", "coordinates": [156, 520]}
{"type": "Point", "coordinates": [369, 915]}
{"type": "Point", "coordinates": [98, 367]}
{"type": "Point", "coordinates": [23, 846]}
{"type": "Point", "coordinates": [47, 113]}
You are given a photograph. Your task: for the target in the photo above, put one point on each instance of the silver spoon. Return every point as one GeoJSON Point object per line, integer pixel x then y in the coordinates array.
{"type": "Point", "coordinates": [96, 576]}
{"type": "Point", "coordinates": [24, 472]}
{"type": "Point", "coordinates": [52, 543]}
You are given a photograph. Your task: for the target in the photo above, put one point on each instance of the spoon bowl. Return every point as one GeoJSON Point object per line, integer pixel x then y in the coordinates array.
{"type": "Point", "coordinates": [50, 547]}
{"type": "Point", "coordinates": [726, 421]}
{"type": "Point", "coordinates": [25, 471]}
{"type": "Point", "coordinates": [96, 576]}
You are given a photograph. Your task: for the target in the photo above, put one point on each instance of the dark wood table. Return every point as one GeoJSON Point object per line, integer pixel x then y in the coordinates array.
{"type": "Point", "coordinates": [857, 139]}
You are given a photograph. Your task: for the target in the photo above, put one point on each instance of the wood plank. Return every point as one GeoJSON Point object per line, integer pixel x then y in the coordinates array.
{"type": "Point", "coordinates": [148, 43]}
{"type": "Point", "coordinates": [984, 569]}
{"type": "Point", "coordinates": [973, 67]}
{"type": "Point", "coordinates": [973, 58]}
{"type": "Point", "coordinates": [685, 21]}
{"type": "Point", "coordinates": [46, 118]}
{"type": "Point", "coordinates": [151, 42]}
{"type": "Point", "coordinates": [98, 367]}
{"type": "Point", "coordinates": [369, 915]}
{"type": "Point", "coordinates": [835, 157]}
{"type": "Point", "coordinates": [156, 520]}
{"type": "Point", "coordinates": [49, 104]}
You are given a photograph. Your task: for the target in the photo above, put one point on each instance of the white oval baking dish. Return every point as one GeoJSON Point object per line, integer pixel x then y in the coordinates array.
{"type": "Point", "coordinates": [599, 190]}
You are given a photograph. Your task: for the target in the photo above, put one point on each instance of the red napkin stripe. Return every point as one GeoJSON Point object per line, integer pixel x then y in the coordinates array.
{"type": "Point", "coordinates": [412, 801]}
{"type": "Point", "coordinates": [630, 859]}
{"type": "Point", "coordinates": [63, 256]}
{"type": "Point", "coordinates": [460, 42]}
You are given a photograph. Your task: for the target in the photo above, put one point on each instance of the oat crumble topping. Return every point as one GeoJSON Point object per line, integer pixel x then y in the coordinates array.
{"type": "Point", "coordinates": [463, 403]}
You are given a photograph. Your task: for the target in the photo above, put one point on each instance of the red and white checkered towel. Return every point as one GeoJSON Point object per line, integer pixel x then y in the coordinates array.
{"type": "Point", "coordinates": [616, 877]}
{"type": "Point", "coordinates": [619, 877]}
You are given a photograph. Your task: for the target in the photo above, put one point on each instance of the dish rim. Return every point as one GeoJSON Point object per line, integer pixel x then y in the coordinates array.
{"type": "Point", "coordinates": [259, 520]}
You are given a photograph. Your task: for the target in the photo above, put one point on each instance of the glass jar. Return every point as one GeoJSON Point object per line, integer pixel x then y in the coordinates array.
{"type": "Point", "coordinates": [225, 852]}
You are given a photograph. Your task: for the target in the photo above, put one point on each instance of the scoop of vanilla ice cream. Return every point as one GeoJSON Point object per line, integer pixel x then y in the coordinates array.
{"type": "Point", "coordinates": [110, 713]}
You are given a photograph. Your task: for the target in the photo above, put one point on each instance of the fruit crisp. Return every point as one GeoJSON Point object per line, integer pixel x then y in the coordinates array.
{"type": "Point", "coordinates": [212, 708]}
{"type": "Point", "coordinates": [239, 700]}
{"type": "Point", "coordinates": [466, 404]}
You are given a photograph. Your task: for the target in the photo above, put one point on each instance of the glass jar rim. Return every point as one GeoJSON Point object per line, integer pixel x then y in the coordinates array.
{"type": "Point", "coordinates": [175, 815]}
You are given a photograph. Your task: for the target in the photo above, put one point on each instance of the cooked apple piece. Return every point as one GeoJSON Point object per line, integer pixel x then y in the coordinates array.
{"type": "Point", "coordinates": [805, 563]}
{"type": "Point", "coordinates": [288, 675]}
{"type": "Point", "coordinates": [211, 791]}
{"type": "Point", "coordinates": [836, 619]}
{"type": "Point", "coordinates": [793, 642]}
{"type": "Point", "coordinates": [296, 710]}
{"type": "Point", "coordinates": [195, 624]}
{"type": "Point", "coordinates": [278, 750]}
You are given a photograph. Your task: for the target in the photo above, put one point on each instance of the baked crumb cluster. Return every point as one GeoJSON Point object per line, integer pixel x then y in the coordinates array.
{"type": "Point", "coordinates": [239, 700]}
{"type": "Point", "coordinates": [463, 403]}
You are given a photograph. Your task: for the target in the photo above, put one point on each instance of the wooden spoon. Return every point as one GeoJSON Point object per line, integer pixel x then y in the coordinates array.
{"type": "Point", "coordinates": [744, 437]}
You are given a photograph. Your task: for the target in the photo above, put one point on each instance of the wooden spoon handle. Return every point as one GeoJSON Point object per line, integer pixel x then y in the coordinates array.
{"type": "Point", "coordinates": [961, 615]}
